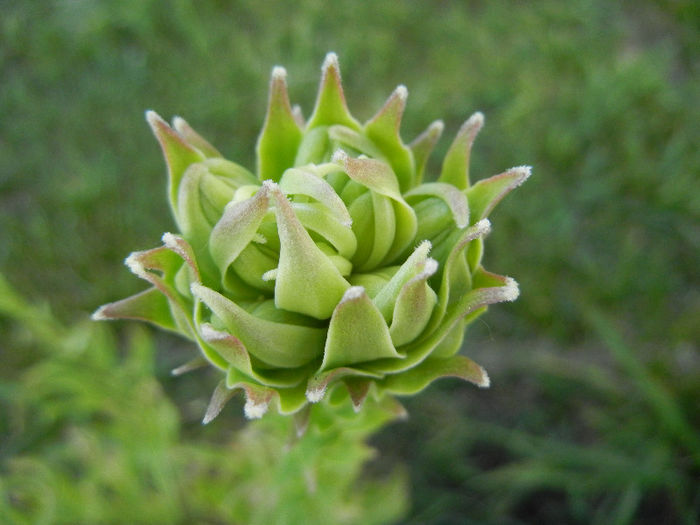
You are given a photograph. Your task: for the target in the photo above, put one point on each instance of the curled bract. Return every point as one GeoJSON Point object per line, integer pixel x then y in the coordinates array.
{"type": "Point", "coordinates": [333, 265]}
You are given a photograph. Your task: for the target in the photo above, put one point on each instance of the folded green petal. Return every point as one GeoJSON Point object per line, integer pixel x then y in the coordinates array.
{"type": "Point", "coordinates": [277, 344]}
{"type": "Point", "coordinates": [423, 145]}
{"type": "Point", "coordinates": [357, 333]}
{"type": "Point", "coordinates": [485, 194]}
{"type": "Point", "coordinates": [179, 155]}
{"type": "Point", "coordinates": [306, 281]}
{"type": "Point", "coordinates": [414, 380]}
{"type": "Point", "coordinates": [280, 137]}
{"type": "Point", "coordinates": [383, 130]}
{"type": "Point", "coordinates": [331, 107]}
{"type": "Point", "coordinates": [455, 166]}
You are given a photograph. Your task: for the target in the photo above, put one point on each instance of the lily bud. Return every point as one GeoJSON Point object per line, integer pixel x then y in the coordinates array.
{"type": "Point", "coordinates": [334, 267]}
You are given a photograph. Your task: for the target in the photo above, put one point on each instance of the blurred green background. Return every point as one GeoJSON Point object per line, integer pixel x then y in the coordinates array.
{"type": "Point", "coordinates": [593, 414]}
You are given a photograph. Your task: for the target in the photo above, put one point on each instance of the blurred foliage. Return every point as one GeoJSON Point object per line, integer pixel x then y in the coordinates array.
{"type": "Point", "coordinates": [90, 437]}
{"type": "Point", "coordinates": [594, 403]}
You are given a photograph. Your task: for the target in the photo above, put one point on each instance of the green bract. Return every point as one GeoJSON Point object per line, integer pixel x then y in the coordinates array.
{"type": "Point", "coordinates": [334, 265]}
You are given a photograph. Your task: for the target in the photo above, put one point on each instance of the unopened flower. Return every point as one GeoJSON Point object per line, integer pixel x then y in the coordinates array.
{"type": "Point", "coordinates": [333, 266]}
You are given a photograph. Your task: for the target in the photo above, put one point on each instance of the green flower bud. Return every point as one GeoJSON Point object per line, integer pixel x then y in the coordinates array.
{"type": "Point", "coordinates": [333, 266]}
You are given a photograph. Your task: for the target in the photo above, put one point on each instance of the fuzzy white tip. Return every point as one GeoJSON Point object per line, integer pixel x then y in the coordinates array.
{"type": "Point", "coordinates": [196, 288]}
{"type": "Point", "coordinates": [511, 291]}
{"type": "Point", "coordinates": [352, 293]}
{"type": "Point", "coordinates": [476, 120]}
{"type": "Point", "coordinates": [314, 396]}
{"type": "Point", "coordinates": [270, 185]}
{"type": "Point", "coordinates": [339, 157]}
{"type": "Point", "coordinates": [209, 333]}
{"type": "Point", "coordinates": [154, 119]}
{"type": "Point", "coordinates": [431, 266]}
{"type": "Point", "coordinates": [98, 315]}
{"type": "Point", "coordinates": [483, 227]}
{"type": "Point", "coordinates": [331, 61]}
{"type": "Point", "coordinates": [436, 128]}
{"type": "Point", "coordinates": [179, 123]}
{"type": "Point", "coordinates": [270, 275]}
{"type": "Point", "coordinates": [254, 410]}
{"type": "Point", "coordinates": [401, 92]}
{"type": "Point", "coordinates": [424, 247]}
{"type": "Point", "coordinates": [169, 240]}
{"type": "Point", "coordinates": [279, 73]}
{"type": "Point", "coordinates": [135, 265]}
{"type": "Point", "coordinates": [485, 380]}
{"type": "Point", "coordinates": [259, 238]}
{"type": "Point", "coordinates": [523, 172]}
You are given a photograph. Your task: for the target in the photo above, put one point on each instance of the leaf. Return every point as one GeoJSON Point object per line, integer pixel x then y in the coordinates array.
{"type": "Point", "coordinates": [357, 333]}
{"type": "Point", "coordinates": [455, 199]}
{"type": "Point", "coordinates": [331, 107]}
{"type": "Point", "coordinates": [280, 137]}
{"type": "Point", "coordinates": [195, 139]}
{"type": "Point", "coordinates": [384, 130]}
{"type": "Point", "coordinates": [423, 146]}
{"type": "Point", "coordinates": [307, 281]}
{"type": "Point", "coordinates": [150, 306]}
{"type": "Point", "coordinates": [277, 344]}
{"type": "Point", "coordinates": [179, 155]}
{"type": "Point", "coordinates": [455, 166]}
{"type": "Point", "coordinates": [416, 379]}
{"type": "Point", "coordinates": [485, 194]}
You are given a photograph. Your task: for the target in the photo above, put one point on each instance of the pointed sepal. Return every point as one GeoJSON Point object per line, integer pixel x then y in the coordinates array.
{"type": "Point", "coordinates": [357, 333]}
{"type": "Point", "coordinates": [150, 306]}
{"type": "Point", "coordinates": [222, 394]}
{"type": "Point", "coordinates": [277, 344]}
{"type": "Point", "coordinates": [455, 166]}
{"type": "Point", "coordinates": [418, 378]}
{"type": "Point", "coordinates": [331, 107]}
{"type": "Point", "coordinates": [306, 280]}
{"type": "Point", "coordinates": [280, 137]}
{"type": "Point", "coordinates": [179, 155]}
{"type": "Point", "coordinates": [423, 145]}
{"type": "Point", "coordinates": [384, 130]}
{"type": "Point", "coordinates": [486, 193]}
{"type": "Point", "coordinates": [195, 139]}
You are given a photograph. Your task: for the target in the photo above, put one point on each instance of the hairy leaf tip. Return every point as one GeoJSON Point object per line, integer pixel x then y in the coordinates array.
{"type": "Point", "coordinates": [169, 240]}
{"type": "Point", "coordinates": [352, 293]}
{"type": "Point", "coordinates": [135, 265]}
{"type": "Point", "coordinates": [279, 73]}
{"type": "Point", "coordinates": [99, 315]}
{"type": "Point", "coordinates": [483, 227]}
{"type": "Point", "coordinates": [485, 379]}
{"type": "Point", "coordinates": [339, 157]}
{"type": "Point", "coordinates": [401, 92]}
{"type": "Point", "coordinates": [154, 119]}
{"type": "Point", "coordinates": [511, 291]}
{"type": "Point", "coordinates": [315, 395]}
{"type": "Point", "coordinates": [331, 61]}
{"type": "Point", "coordinates": [253, 410]}
{"type": "Point", "coordinates": [523, 172]}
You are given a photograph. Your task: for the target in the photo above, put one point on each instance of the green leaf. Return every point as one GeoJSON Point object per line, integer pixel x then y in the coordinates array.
{"type": "Point", "coordinates": [150, 306]}
{"type": "Point", "coordinates": [237, 228]}
{"type": "Point", "coordinates": [422, 147]}
{"type": "Point", "coordinates": [485, 194]}
{"type": "Point", "coordinates": [331, 107]}
{"type": "Point", "coordinates": [455, 166]}
{"type": "Point", "coordinates": [384, 130]}
{"type": "Point", "coordinates": [357, 333]}
{"type": "Point", "coordinates": [280, 137]}
{"type": "Point", "coordinates": [277, 344]}
{"type": "Point", "coordinates": [179, 155]}
{"type": "Point", "coordinates": [413, 381]}
{"type": "Point", "coordinates": [449, 194]}
{"type": "Point", "coordinates": [195, 139]}
{"type": "Point", "coordinates": [298, 181]}
{"type": "Point", "coordinates": [414, 307]}
{"type": "Point", "coordinates": [307, 281]}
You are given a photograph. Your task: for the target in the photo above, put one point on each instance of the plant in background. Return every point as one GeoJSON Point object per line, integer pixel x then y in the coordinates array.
{"type": "Point", "coordinates": [332, 272]}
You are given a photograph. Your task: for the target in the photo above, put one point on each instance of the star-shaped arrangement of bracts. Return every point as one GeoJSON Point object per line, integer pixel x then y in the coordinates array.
{"type": "Point", "coordinates": [334, 267]}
